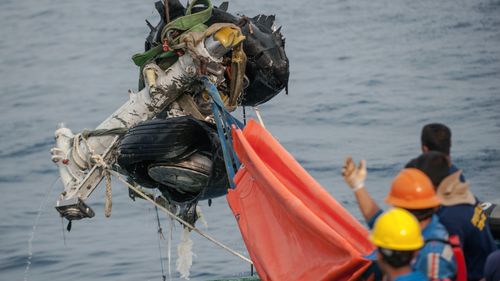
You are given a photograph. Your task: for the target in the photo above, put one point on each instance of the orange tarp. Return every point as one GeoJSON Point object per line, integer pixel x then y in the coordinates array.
{"type": "Point", "coordinates": [293, 229]}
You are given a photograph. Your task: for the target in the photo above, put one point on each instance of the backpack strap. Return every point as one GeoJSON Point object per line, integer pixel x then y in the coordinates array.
{"type": "Point", "coordinates": [454, 242]}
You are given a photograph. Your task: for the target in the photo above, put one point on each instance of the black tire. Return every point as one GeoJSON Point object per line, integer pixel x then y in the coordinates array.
{"type": "Point", "coordinates": [162, 140]}
{"type": "Point", "coordinates": [172, 142]}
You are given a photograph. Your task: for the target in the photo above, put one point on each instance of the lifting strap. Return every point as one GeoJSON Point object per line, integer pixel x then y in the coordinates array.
{"type": "Point", "coordinates": [225, 122]}
{"type": "Point", "coordinates": [188, 23]}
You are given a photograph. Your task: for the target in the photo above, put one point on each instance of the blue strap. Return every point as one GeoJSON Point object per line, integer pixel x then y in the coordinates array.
{"type": "Point", "coordinates": [224, 121]}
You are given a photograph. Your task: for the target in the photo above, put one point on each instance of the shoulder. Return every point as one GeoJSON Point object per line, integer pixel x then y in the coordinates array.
{"type": "Point", "coordinates": [371, 221]}
{"type": "Point", "coordinates": [413, 276]}
{"type": "Point", "coordinates": [455, 212]}
{"type": "Point", "coordinates": [491, 269]}
{"type": "Point", "coordinates": [493, 259]}
{"type": "Point", "coordinates": [436, 257]}
{"type": "Point", "coordinates": [435, 229]}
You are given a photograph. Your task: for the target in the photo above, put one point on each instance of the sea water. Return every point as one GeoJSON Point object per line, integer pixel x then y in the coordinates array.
{"type": "Point", "coordinates": [365, 77]}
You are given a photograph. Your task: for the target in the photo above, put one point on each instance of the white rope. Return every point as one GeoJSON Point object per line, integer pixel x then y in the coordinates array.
{"type": "Point", "coordinates": [172, 215]}
{"type": "Point", "coordinates": [257, 112]}
{"type": "Point", "coordinates": [80, 159]}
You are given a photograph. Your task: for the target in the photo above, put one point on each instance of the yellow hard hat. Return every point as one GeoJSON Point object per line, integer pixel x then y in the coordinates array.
{"type": "Point", "coordinates": [397, 229]}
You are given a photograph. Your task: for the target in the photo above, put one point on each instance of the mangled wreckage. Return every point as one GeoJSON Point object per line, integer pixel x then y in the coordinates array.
{"type": "Point", "coordinates": [164, 136]}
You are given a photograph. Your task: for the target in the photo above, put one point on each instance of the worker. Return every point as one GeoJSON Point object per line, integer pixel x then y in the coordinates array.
{"type": "Point", "coordinates": [492, 267]}
{"type": "Point", "coordinates": [411, 190]}
{"type": "Point", "coordinates": [437, 137]}
{"type": "Point", "coordinates": [397, 235]}
{"type": "Point", "coordinates": [460, 212]}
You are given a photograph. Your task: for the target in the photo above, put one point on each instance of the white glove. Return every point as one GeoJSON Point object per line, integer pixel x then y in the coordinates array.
{"type": "Point", "coordinates": [354, 176]}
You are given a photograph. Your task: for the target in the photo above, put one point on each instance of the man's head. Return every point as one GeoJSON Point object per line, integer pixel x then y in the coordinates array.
{"type": "Point", "coordinates": [397, 235]}
{"type": "Point", "coordinates": [434, 164]}
{"type": "Point", "coordinates": [436, 137]}
{"type": "Point", "coordinates": [413, 191]}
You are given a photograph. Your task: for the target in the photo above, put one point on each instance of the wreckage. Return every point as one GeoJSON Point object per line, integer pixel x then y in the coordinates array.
{"type": "Point", "coordinates": [168, 136]}
{"type": "Point", "coordinates": [165, 135]}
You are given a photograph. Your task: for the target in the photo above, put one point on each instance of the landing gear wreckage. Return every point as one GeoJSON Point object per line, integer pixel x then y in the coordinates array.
{"type": "Point", "coordinates": [164, 136]}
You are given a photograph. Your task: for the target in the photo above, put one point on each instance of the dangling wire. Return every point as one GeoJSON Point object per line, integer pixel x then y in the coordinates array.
{"type": "Point", "coordinates": [169, 247]}
{"type": "Point", "coordinates": [244, 116]}
{"type": "Point", "coordinates": [35, 225]}
{"type": "Point", "coordinates": [62, 228]}
{"type": "Point", "coordinates": [177, 218]}
{"type": "Point", "coordinates": [160, 236]}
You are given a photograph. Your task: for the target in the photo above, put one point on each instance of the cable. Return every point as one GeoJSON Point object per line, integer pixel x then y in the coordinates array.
{"type": "Point", "coordinates": [186, 224]}
{"type": "Point", "coordinates": [160, 236]}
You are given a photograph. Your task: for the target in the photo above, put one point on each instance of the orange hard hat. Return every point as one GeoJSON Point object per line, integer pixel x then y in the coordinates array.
{"type": "Point", "coordinates": [412, 189]}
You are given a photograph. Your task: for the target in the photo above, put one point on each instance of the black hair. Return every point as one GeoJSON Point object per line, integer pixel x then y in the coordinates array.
{"type": "Point", "coordinates": [422, 214]}
{"type": "Point", "coordinates": [396, 259]}
{"type": "Point", "coordinates": [436, 136]}
{"type": "Point", "coordinates": [434, 164]}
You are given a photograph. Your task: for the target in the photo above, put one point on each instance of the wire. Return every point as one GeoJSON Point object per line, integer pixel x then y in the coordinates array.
{"type": "Point", "coordinates": [160, 236]}
{"type": "Point", "coordinates": [32, 236]}
{"type": "Point", "coordinates": [172, 215]}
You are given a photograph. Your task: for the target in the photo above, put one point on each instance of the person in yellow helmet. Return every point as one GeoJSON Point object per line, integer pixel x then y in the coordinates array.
{"type": "Point", "coordinates": [397, 235]}
{"type": "Point", "coordinates": [413, 191]}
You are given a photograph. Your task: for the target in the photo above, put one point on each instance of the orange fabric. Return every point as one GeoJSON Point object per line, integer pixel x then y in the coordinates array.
{"type": "Point", "coordinates": [292, 227]}
{"type": "Point", "coordinates": [412, 189]}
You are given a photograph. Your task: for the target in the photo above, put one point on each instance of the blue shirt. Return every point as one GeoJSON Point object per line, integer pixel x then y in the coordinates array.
{"type": "Point", "coordinates": [413, 276]}
{"type": "Point", "coordinates": [435, 259]}
{"type": "Point", "coordinates": [471, 225]}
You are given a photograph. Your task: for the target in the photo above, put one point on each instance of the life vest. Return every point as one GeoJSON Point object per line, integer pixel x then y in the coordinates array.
{"type": "Point", "coordinates": [454, 242]}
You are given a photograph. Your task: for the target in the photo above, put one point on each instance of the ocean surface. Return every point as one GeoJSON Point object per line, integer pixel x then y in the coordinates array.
{"type": "Point", "coordinates": [365, 77]}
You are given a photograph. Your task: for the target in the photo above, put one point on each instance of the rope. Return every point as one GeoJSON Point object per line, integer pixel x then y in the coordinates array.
{"type": "Point", "coordinates": [257, 112]}
{"type": "Point", "coordinates": [172, 215]}
{"type": "Point", "coordinates": [80, 159]}
{"type": "Point", "coordinates": [108, 196]}
{"type": "Point", "coordinates": [97, 160]}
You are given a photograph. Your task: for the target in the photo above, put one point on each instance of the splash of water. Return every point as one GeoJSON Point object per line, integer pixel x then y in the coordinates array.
{"type": "Point", "coordinates": [35, 224]}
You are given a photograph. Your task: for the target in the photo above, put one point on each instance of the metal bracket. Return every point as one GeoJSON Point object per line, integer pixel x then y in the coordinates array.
{"type": "Point", "coordinates": [74, 209]}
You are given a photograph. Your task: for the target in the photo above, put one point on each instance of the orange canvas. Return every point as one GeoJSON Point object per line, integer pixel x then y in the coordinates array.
{"type": "Point", "coordinates": [292, 227]}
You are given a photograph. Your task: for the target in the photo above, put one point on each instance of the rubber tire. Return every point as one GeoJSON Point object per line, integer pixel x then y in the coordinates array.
{"type": "Point", "coordinates": [162, 140]}
{"type": "Point", "coordinates": [172, 141]}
